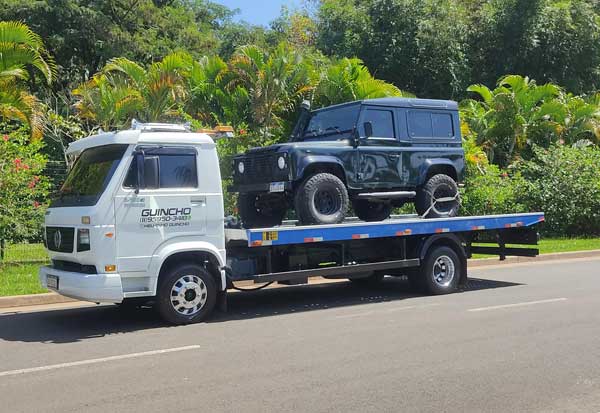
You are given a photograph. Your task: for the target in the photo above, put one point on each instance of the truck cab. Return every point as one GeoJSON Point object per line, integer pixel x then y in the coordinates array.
{"type": "Point", "coordinates": [134, 203]}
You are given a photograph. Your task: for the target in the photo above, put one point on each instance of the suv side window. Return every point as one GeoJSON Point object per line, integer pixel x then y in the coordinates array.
{"type": "Point", "coordinates": [176, 169]}
{"type": "Point", "coordinates": [426, 124]}
{"type": "Point", "coordinates": [382, 121]}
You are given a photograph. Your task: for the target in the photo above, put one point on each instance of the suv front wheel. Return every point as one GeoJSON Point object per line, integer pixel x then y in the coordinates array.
{"type": "Point", "coordinates": [371, 211]}
{"type": "Point", "coordinates": [438, 198]}
{"type": "Point", "coordinates": [321, 199]}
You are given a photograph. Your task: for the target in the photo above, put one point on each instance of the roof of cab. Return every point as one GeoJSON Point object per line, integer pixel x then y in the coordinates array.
{"type": "Point", "coordinates": [132, 137]}
{"type": "Point", "coordinates": [399, 102]}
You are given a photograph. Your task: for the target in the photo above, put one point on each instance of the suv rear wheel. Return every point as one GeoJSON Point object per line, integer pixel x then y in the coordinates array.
{"type": "Point", "coordinates": [438, 198]}
{"type": "Point", "coordinates": [259, 211]}
{"type": "Point", "coordinates": [321, 199]}
{"type": "Point", "coordinates": [371, 211]}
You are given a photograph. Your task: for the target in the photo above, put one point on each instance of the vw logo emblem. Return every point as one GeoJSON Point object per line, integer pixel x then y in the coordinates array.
{"type": "Point", "coordinates": [57, 239]}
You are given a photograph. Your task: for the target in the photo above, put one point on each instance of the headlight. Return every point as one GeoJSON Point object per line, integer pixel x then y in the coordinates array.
{"type": "Point", "coordinates": [83, 239]}
{"type": "Point", "coordinates": [241, 167]}
{"type": "Point", "coordinates": [281, 162]}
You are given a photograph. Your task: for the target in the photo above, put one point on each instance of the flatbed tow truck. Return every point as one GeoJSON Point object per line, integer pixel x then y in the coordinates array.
{"type": "Point", "coordinates": [140, 220]}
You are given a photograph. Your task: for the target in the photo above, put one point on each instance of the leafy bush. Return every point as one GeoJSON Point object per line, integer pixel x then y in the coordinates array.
{"type": "Point", "coordinates": [564, 182]}
{"type": "Point", "coordinates": [23, 189]}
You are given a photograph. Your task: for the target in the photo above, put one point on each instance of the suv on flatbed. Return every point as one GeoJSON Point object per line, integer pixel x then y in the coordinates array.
{"type": "Point", "coordinates": [375, 154]}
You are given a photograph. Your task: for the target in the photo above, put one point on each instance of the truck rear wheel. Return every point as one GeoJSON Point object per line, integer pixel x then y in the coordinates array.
{"type": "Point", "coordinates": [430, 198]}
{"type": "Point", "coordinates": [440, 272]}
{"type": "Point", "coordinates": [321, 199]}
{"type": "Point", "coordinates": [257, 211]}
{"type": "Point", "coordinates": [371, 211]}
{"type": "Point", "coordinates": [186, 294]}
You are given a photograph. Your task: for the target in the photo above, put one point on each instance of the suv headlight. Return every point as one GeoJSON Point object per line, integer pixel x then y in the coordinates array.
{"type": "Point", "coordinates": [241, 167]}
{"type": "Point", "coordinates": [281, 162]}
{"type": "Point", "coordinates": [83, 239]}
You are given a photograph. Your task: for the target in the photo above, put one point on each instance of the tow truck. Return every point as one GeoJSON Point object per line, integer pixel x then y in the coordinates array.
{"type": "Point", "coordinates": [140, 220]}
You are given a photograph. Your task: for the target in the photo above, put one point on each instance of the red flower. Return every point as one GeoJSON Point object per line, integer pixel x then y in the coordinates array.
{"type": "Point", "coordinates": [17, 163]}
{"type": "Point", "coordinates": [5, 137]}
{"type": "Point", "coordinates": [242, 131]}
{"type": "Point", "coordinates": [31, 184]}
{"type": "Point", "coordinates": [36, 204]}
{"type": "Point", "coordinates": [25, 166]}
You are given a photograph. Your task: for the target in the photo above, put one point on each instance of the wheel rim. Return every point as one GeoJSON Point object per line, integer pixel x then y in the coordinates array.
{"type": "Point", "coordinates": [188, 295]}
{"type": "Point", "coordinates": [443, 271]}
{"type": "Point", "coordinates": [327, 202]}
{"type": "Point", "coordinates": [442, 208]}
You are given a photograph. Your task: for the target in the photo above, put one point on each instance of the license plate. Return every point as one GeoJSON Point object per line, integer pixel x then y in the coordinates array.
{"type": "Point", "coordinates": [277, 187]}
{"type": "Point", "coordinates": [52, 282]}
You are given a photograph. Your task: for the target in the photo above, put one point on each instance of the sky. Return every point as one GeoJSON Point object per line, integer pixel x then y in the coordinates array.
{"type": "Point", "coordinates": [258, 11]}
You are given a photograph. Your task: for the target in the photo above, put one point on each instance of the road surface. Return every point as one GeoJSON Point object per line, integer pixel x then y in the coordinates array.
{"type": "Point", "coordinates": [521, 337]}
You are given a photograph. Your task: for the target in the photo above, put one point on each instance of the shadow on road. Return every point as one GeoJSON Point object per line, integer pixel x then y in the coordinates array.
{"type": "Point", "coordinates": [77, 324]}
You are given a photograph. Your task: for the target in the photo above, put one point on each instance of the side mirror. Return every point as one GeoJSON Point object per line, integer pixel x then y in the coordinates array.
{"type": "Point", "coordinates": [151, 172]}
{"type": "Point", "coordinates": [368, 129]}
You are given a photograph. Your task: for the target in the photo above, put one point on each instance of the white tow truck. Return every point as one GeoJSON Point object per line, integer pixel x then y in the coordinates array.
{"type": "Point", "coordinates": [140, 219]}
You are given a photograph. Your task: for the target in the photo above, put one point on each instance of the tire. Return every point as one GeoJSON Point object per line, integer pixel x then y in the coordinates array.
{"type": "Point", "coordinates": [372, 280]}
{"type": "Point", "coordinates": [321, 199]}
{"type": "Point", "coordinates": [371, 211]}
{"type": "Point", "coordinates": [256, 216]}
{"type": "Point", "coordinates": [198, 294]}
{"type": "Point", "coordinates": [438, 186]}
{"type": "Point", "coordinates": [440, 272]}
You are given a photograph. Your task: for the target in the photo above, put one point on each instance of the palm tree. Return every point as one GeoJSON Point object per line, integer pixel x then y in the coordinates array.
{"type": "Point", "coordinates": [348, 80]}
{"type": "Point", "coordinates": [124, 89]}
{"type": "Point", "coordinates": [514, 116]}
{"type": "Point", "coordinates": [22, 56]}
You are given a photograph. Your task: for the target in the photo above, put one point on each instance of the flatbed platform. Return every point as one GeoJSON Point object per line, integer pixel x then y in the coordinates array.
{"type": "Point", "coordinates": [396, 227]}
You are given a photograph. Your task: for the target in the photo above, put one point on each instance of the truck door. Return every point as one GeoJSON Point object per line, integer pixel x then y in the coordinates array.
{"type": "Point", "coordinates": [155, 215]}
{"type": "Point", "coordinates": [380, 151]}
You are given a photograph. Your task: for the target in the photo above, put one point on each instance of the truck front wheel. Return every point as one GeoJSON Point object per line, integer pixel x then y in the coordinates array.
{"type": "Point", "coordinates": [259, 211]}
{"type": "Point", "coordinates": [321, 199]}
{"type": "Point", "coordinates": [186, 294]}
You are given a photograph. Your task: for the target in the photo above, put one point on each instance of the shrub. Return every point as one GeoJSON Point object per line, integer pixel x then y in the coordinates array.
{"type": "Point", "coordinates": [564, 182]}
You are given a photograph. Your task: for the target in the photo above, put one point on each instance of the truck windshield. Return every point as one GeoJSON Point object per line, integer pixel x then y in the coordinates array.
{"type": "Point", "coordinates": [331, 123]}
{"type": "Point", "coordinates": [89, 176]}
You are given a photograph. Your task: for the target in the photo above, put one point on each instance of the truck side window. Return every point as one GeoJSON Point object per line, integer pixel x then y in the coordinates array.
{"type": "Point", "coordinates": [176, 170]}
{"type": "Point", "coordinates": [426, 124]}
{"type": "Point", "coordinates": [382, 122]}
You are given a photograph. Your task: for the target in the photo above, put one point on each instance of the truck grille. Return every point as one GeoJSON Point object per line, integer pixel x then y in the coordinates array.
{"type": "Point", "coordinates": [70, 266]}
{"type": "Point", "coordinates": [60, 239]}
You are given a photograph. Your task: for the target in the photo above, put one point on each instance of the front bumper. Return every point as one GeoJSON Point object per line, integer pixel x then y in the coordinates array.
{"type": "Point", "coordinates": [97, 288]}
{"type": "Point", "coordinates": [257, 187]}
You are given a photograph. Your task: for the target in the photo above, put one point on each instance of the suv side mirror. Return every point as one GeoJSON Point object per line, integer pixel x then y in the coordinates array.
{"type": "Point", "coordinates": [151, 172]}
{"type": "Point", "coordinates": [368, 129]}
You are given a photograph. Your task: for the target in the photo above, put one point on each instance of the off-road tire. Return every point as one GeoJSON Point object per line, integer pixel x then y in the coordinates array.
{"type": "Point", "coordinates": [330, 209]}
{"type": "Point", "coordinates": [166, 303]}
{"type": "Point", "coordinates": [255, 217]}
{"type": "Point", "coordinates": [438, 186]}
{"type": "Point", "coordinates": [371, 211]}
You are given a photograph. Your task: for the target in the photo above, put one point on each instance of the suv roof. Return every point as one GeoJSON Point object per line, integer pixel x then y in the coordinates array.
{"type": "Point", "coordinates": [400, 103]}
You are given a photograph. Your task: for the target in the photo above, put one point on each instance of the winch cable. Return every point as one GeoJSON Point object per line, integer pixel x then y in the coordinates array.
{"type": "Point", "coordinates": [233, 286]}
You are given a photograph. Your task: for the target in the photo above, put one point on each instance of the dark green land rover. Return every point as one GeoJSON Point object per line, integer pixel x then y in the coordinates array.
{"type": "Point", "coordinates": [375, 154]}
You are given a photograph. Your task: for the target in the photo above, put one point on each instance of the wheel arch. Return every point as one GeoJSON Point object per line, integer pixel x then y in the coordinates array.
{"type": "Point", "coordinates": [329, 164]}
{"type": "Point", "coordinates": [438, 166]}
{"type": "Point", "coordinates": [201, 253]}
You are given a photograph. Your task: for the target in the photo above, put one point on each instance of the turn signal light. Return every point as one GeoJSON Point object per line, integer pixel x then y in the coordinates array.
{"type": "Point", "coordinates": [110, 268]}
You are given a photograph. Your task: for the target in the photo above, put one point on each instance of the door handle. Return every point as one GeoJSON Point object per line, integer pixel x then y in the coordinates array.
{"type": "Point", "coordinates": [393, 156]}
{"type": "Point", "coordinates": [198, 201]}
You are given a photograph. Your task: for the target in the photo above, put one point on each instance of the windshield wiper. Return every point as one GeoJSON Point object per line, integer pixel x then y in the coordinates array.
{"type": "Point", "coordinates": [334, 131]}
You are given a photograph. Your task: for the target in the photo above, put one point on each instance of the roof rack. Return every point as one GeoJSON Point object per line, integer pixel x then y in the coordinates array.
{"type": "Point", "coordinates": [160, 127]}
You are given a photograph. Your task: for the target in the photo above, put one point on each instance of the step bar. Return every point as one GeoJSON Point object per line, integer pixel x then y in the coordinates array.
{"type": "Point", "coordinates": [387, 195]}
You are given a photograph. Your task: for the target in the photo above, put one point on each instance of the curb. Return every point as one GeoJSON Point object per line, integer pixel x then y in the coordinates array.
{"type": "Point", "coordinates": [54, 298]}
{"type": "Point", "coordinates": [33, 299]}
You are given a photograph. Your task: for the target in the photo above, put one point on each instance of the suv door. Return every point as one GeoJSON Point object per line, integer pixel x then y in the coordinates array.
{"type": "Point", "coordinates": [174, 208]}
{"type": "Point", "coordinates": [381, 154]}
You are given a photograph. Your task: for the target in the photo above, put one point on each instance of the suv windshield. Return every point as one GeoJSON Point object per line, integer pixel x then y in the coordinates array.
{"type": "Point", "coordinates": [89, 176]}
{"type": "Point", "coordinates": [330, 123]}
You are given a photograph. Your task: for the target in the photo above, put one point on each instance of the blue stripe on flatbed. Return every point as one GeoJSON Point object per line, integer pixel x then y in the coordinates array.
{"type": "Point", "coordinates": [390, 228]}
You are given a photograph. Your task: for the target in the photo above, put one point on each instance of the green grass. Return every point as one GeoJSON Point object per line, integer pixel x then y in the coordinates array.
{"type": "Point", "coordinates": [25, 253]}
{"type": "Point", "coordinates": [19, 279]}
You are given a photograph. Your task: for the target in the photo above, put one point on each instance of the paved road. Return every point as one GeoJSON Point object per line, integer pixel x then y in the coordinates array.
{"type": "Point", "coordinates": [520, 338]}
